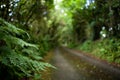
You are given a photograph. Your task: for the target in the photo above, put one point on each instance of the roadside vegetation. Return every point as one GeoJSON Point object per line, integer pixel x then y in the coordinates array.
{"type": "Point", "coordinates": [24, 38]}
{"type": "Point", "coordinates": [95, 27]}
{"type": "Point", "coordinates": [107, 49]}
{"type": "Point", "coordinates": [29, 29]}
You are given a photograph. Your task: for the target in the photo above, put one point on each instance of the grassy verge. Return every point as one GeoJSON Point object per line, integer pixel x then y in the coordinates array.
{"type": "Point", "coordinates": [107, 49]}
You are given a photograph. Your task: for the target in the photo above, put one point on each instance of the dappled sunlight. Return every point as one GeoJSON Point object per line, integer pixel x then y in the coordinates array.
{"type": "Point", "coordinates": [30, 29]}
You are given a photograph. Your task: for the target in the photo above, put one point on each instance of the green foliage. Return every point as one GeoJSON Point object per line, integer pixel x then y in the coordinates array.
{"type": "Point", "coordinates": [73, 4]}
{"type": "Point", "coordinates": [86, 46]}
{"type": "Point", "coordinates": [18, 58]}
{"type": "Point", "coordinates": [71, 45]}
{"type": "Point", "coordinates": [108, 49]}
{"type": "Point", "coordinates": [97, 25]}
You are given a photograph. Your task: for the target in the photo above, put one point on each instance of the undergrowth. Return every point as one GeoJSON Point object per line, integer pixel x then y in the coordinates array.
{"type": "Point", "coordinates": [107, 49]}
{"type": "Point", "coordinates": [18, 58]}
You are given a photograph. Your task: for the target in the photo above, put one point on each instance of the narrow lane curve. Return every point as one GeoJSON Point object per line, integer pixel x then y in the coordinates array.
{"type": "Point", "coordinates": [73, 66]}
{"type": "Point", "coordinates": [65, 71]}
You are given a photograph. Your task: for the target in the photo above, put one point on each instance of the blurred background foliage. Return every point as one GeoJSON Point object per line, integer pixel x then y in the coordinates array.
{"type": "Point", "coordinates": [95, 27]}
{"type": "Point", "coordinates": [89, 25]}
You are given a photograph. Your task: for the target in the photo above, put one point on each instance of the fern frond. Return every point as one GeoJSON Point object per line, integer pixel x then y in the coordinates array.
{"type": "Point", "coordinates": [32, 54]}
{"type": "Point", "coordinates": [10, 27]}
{"type": "Point", "coordinates": [18, 41]}
{"type": "Point", "coordinates": [12, 52]}
{"type": "Point", "coordinates": [25, 64]}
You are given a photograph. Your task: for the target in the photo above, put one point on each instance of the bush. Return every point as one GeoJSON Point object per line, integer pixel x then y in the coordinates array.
{"type": "Point", "coordinates": [108, 49]}
{"type": "Point", "coordinates": [87, 46]}
{"type": "Point", "coordinates": [18, 58]}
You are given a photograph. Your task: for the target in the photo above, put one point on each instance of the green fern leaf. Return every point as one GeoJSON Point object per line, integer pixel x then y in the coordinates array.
{"type": "Point", "coordinates": [10, 27]}
{"type": "Point", "coordinates": [19, 42]}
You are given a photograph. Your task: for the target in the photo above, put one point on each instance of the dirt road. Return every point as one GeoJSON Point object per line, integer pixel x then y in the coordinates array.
{"type": "Point", "coordinates": [72, 65]}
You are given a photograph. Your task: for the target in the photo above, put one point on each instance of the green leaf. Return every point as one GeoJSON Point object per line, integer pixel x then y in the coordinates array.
{"type": "Point", "coordinates": [11, 28]}
{"type": "Point", "coordinates": [19, 42]}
